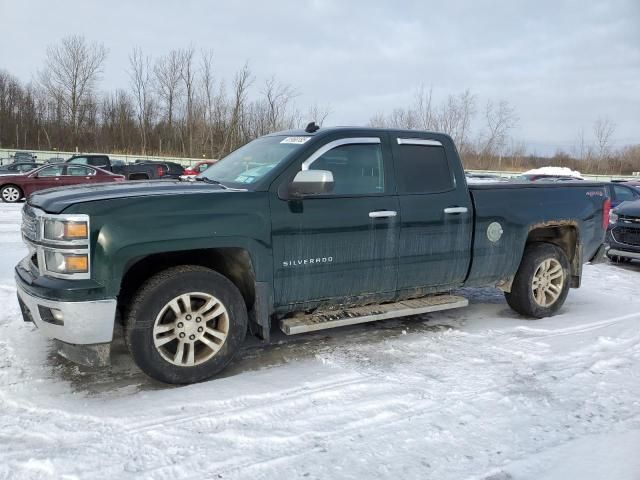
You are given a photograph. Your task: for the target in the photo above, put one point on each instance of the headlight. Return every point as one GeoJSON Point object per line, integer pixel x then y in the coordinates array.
{"type": "Point", "coordinates": [613, 218]}
{"type": "Point", "coordinates": [61, 230]}
{"type": "Point", "coordinates": [66, 263]}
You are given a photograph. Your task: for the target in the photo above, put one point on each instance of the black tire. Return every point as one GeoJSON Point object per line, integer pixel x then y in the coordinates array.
{"type": "Point", "coordinates": [5, 193]}
{"type": "Point", "coordinates": [154, 297]}
{"type": "Point", "coordinates": [522, 298]}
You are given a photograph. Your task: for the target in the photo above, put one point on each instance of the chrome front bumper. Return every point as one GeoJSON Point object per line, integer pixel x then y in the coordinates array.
{"type": "Point", "coordinates": [82, 323]}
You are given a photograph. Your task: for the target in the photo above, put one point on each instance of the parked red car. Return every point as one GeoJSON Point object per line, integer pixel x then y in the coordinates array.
{"type": "Point", "coordinates": [198, 168]}
{"type": "Point", "coordinates": [15, 187]}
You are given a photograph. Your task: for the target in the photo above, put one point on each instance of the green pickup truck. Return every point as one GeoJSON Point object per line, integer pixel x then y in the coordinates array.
{"type": "Point", "coordinates": [304, 230]}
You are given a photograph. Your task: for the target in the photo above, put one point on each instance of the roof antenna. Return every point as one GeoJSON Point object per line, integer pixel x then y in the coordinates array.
{"type": "Point", "coordinates": [312, 128]}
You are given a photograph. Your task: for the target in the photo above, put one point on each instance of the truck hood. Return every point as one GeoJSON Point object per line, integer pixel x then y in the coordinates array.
{"type": "Point", "coordinates": [631, 209]}
{"type": "Point", "coordinates": [56, 200]}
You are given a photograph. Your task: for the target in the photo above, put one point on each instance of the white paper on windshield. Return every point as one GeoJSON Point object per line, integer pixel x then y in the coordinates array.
{"type": "Point", "coordinates": [298, 140]}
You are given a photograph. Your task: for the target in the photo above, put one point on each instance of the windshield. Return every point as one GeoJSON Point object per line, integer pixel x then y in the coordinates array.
{"type": "Point", "coordinates": [250, 163]}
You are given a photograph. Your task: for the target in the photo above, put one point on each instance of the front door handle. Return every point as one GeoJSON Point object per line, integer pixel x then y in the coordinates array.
{"type": "Point", "coordinates": [382, 214]}
{"type": "Point", "coordinates": [451, 210]}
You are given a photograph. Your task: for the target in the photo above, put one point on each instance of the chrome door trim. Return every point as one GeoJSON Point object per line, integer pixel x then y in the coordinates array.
{"type": "Point", "coordinates": [337, 143]}
{"type": "Point", "coordinates": [419, 141]}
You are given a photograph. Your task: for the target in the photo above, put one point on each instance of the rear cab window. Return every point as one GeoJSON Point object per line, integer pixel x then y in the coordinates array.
{"type": "Point", "coordinates": [422, 166]}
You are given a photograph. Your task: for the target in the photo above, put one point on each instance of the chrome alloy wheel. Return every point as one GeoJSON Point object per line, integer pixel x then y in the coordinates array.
{"type": "Point", "coordinates": [191, 329]}
{"type": "Point", "coordinates": [548, 281]}
{"type": "Point", "coordinates": [10, 194]}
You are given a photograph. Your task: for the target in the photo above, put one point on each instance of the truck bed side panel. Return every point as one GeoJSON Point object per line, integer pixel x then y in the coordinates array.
{"type": "Point", "coordinates": [520, 208]}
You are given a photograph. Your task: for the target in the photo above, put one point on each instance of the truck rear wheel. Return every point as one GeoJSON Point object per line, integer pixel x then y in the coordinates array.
{"type": "Point", "coordinates": [541, 284]}
{"type": "Point", "coordinates": [185, 324]}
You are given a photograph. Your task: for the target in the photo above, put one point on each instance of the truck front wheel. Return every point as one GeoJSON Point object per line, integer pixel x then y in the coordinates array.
{"type": "Point", "coordinates": [185, 324]}
{"type": "Point", "coordinates": [541, 284]}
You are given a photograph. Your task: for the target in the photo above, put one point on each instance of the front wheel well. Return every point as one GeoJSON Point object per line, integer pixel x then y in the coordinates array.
{"type": "Point", "coordinates": [234, 263]}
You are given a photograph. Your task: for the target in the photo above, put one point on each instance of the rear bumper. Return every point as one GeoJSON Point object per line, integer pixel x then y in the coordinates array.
{"type": "Point", "coordinates": [79, 323]}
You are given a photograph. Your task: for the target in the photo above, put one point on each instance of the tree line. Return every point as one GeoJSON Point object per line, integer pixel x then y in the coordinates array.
{"type": "Point", "coordinates": [173, 105]}
{"type": "Point", "coordinates": [482, 134]}
{"type": "Point", "coordinates": [178, 105]}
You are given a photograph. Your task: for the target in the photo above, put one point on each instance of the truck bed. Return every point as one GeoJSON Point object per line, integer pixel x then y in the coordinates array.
{"type": "Point", "coordinates": [520, 207]}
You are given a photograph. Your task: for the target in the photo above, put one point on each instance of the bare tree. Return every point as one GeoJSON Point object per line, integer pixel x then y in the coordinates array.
{"type": "Point", "coordinates": [454, 117]}
{"type": "Point", "coordinates": [187, 75]}
{"type": "Point", "coordinates": [500, 118]}
{"type": "Point", "coordinates": [208, 96]}
{"type": "Point", "coordinates": [140, 77]}
{"type": "Point", "coordinates": [167, 71]}
{"type": "Point", "coordinates": [603, 130]}
{"type": "Point", "coordinates": [318, 113]}
{"type": "Point", "coordinates": [424, 108]}
{"type": "Point", "coordinates": [71, 72]}
{"type": "Point", "coordinates": [241, 83]}
{"type": "Point", "coordinates": [277, 97]}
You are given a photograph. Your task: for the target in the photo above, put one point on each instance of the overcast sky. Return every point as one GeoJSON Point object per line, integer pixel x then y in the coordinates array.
{"type": "Point", "coordinates": [561, 64]}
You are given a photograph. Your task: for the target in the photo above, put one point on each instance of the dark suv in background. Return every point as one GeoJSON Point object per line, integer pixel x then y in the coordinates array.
{"type": "Point", "coordinates": [623, 234]}
{"type": "Point", "coordinates": [18, 167]}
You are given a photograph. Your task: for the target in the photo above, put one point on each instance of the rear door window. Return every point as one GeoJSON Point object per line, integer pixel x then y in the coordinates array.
{"type": "Point", "coordinates": [80, 171]}
{"type": "Point", "coordinates": [53, 171]}
{"type": "Point", "coordinates": [422, 167]}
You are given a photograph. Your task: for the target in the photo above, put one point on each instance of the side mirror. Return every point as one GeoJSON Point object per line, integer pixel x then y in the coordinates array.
{"type": "Point", "coordinates": [311, 182]}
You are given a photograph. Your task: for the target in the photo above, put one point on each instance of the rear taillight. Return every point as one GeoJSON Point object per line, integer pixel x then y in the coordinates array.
{"type": "Point", "coordinates": [159, 170]}
{"type": "Point", "coordinates": [606, 208]}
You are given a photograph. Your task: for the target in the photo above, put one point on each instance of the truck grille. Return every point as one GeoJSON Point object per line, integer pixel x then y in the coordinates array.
{"type": "Point", "coordinates": [626, 235]}
{"type": "Point", "coordinates": [29, 223]}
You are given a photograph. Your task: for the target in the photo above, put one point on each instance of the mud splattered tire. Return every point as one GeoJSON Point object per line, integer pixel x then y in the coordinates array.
{"type": "Point", "coordinates": [10, 193]}
{"type": "Point", "coordinates": [541, 284]}
{"type": "Point", "coordinates": [185, 324]}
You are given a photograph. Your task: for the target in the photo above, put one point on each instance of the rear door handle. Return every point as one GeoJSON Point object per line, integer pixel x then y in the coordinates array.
{"type": "Point", "coordinates": [382, 214]}
{"type": "Point", "coordinates": [451, 210]}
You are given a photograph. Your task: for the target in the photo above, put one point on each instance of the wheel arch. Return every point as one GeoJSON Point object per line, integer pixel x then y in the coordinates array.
{"type": "Point", "coordinates": [235, 263]}
{"type": "Point", "coordinates": [566, 236]}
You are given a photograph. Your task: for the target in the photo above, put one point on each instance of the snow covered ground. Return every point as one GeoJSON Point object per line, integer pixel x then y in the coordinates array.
{"type": "Point", "coordinates": [477, 393]}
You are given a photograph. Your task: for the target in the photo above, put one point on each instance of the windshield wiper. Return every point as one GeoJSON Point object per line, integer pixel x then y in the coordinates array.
{"type": "Point", "coordinates": [210, 181]}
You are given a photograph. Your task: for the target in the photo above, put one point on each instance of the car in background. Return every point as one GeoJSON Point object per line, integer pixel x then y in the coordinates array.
{"type": "Point", "coordinates": [17, 168]}
{"type": "Point", "coordinates": [161, 169]}
{"type": "Point", "coordinates": [478, 177]}
{"type": "Point", "coordinates": [15, 187]}
{"type": "Point", "coordinates": [622, 192]}
{"type": "Point", "coordinates": [139, 170]}
{"type": "Point", "coordinates": [23, 157]}
{"type": "Point", "coordinates": [547, 178]}
{"type": "Point", "coordinates": [55, 160]}
{"type": "Point", "coordinates": [198, 168]}
{"type": "Point", "coordinates": [623, 235]}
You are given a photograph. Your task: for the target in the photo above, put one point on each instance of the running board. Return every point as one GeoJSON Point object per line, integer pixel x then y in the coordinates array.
{"type": "Point", "coordinates": [370, 313]}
